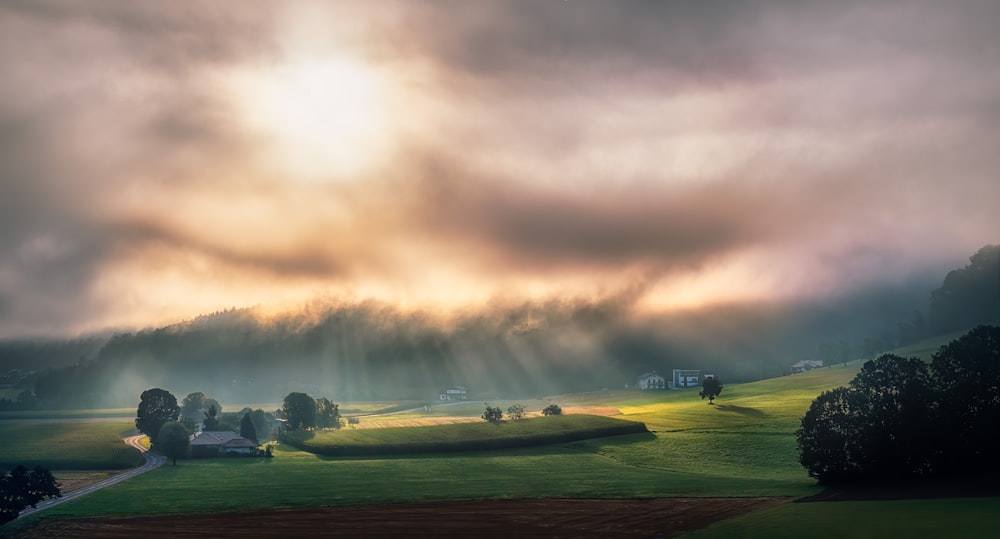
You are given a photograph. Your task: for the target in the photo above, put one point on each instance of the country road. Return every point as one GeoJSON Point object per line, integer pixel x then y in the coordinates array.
{"type": "Point", "coordinates": [152, 461]}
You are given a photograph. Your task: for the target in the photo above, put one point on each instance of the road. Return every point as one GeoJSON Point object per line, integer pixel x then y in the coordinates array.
{"type": "Point", "coordinates": [153, 461]}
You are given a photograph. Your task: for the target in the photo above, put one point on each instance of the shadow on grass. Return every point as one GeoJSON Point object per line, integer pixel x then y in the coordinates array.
{"type": "Point", "coordinates": [742, 410]}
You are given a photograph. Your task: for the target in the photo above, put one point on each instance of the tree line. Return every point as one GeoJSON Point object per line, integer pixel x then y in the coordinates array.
{"type": "Point", "coordinates": [901, 418]}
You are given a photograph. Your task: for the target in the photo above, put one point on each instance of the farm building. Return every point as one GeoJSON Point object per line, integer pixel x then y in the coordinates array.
{"type": "Point", "coordinates": [213, 443]}
{"type": "Point", "coordinates": [806, 365]}
{"type": "Point", "coordinates": [652, 380]}
{"type": "Point", "coordinates": [686, 378]}
{"type": "Point", "coordinates": [455, 393]}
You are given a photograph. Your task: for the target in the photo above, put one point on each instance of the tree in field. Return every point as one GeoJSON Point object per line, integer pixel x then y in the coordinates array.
{"type": "Point", "coordinates": [516, 411]}
{"type": "Point", "coordinates": [327, 414]}
{"type": "Point", "coordinates": [194, 406]}
{"type": "Point", "coordinates": [967, 372]}
{"type": "Point", "coordinates": [299, 410]}
{"type": "Point", "coordinates": [247, 429]}
{"type": "Point", "coordinates": [211, 421]}
{"type": "Point", "coordinates": [552, 409]}
{"type": "Point", "coordinates": [710, 388]}
{"type": "Point", "coordinates": [262, 422]}
{"type": "Point", "coordinates": [156, 407]}
{"type": "Point", "coordinates": [173, 440]}
{"type": "Point", "coordinates": [22, 488]}
{"type": "Point", "coordinates": [493, 414]}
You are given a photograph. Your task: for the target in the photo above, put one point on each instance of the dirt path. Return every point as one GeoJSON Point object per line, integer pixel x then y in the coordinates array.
{"type": "Point", "coordinates": [662, 517]}
{"type": "Point", "coordinates": [152, 461]}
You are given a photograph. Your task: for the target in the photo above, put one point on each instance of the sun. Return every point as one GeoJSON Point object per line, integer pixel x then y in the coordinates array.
{"type": "Point", "coordinates": [318, 118]}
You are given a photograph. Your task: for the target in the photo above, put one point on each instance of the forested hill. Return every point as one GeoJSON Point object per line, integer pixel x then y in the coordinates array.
{"type": "Point", "coordinates": [369, 350]}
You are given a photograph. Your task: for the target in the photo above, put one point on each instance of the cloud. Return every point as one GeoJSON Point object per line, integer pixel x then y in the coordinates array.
{"type": "Point", "coordinates": [534, 149]}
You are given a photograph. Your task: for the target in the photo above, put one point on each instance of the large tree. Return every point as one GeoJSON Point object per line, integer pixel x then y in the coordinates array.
{"type": "Point", "coordinates": [22, 488]}
{"type": "Point", "coordinates": [967, 372]}
{"type": "Point", "coordinates": [211, 421]}
{"type": "Point", "coordinates": [156, 407]}
{"type": "Point", "coordinates": [327, 414]}
{"type": "Point", "coordinates": [299, 410]}
{"type": "Point", "coordinates": [173, 440]}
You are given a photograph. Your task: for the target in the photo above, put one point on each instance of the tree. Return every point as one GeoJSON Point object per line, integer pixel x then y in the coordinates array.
{"type": "Point", "coordinates": [516, 411]}
{"type": "Point", "coordinates": [22, 488]}
{"type": "Point", "coordinates": [211, 421]}
{"type": "Point", "coordinates": [173, 440]}
{"type": "Point", "coordinates": [967, 373]}
{"type": "Point", "coordinates": [327, 414]}
{"type": "Point", "coordinates": [710, 388]}
{"type": "Point", "coordinates": [552, 409]}
{"type": "Point", "coordinates": [299, 410]}
{"type": "Point", "coordinates": [829, 437]}
{"type": "Point", "coordinates": [194, 406]}
{"type": "Point", "coordinates": [493, 414]}
{"type": "Point", "coordinates": [876, 429]}
{"type": "Point", "coordinates": [896, 401]}
{"type": "Point", "coordinates": [247, 429]}
{"type": "Point", "coordinates": [156, 407]}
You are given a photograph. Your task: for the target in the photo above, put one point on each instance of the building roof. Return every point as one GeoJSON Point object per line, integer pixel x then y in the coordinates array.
{"type": "Point", "coordinates": [217, 437]}
{"type": "Point", "coordinates": [650, 375]}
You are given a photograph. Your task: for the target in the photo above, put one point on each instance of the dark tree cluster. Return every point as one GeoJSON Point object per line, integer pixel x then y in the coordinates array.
{"type": "Point", "coordinates": [156, 407]}
{"type": "Point", "coordinates": [493, 414]}
{"type": "Point", "coordinates": [552, 409]}
{"type": "Point", "coordinates": [970, 295]}
{"type": "Point", "coordinates": [304, 412]}
{"type": "Point", "coordinates": [899, 419]}
{"type": "Point", "coordinates": [21, 488]}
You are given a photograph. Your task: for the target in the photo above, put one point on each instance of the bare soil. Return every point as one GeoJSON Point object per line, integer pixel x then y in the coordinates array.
{"type": "Point", "coordinates": [661, 517]}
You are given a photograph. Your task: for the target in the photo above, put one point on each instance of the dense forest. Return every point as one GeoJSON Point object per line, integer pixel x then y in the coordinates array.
{"type": "Point", "coordinates": [369, 350]}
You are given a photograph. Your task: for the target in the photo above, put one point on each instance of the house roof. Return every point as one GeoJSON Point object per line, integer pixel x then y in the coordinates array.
{"type": "Point", "coordinates": [650, 375]}
{"type": "Point", "coordinates": [216, 437]}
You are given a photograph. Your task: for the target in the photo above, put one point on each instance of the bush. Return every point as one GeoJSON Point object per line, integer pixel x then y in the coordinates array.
{"type": "Point", "coordinates": [552, 409]}
{"type": "Point", "coordinates": [516, 411]}
{"type": "Point", "coordinates": [493, 414]}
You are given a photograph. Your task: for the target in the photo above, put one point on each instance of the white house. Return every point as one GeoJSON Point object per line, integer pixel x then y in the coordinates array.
{"type": "Point", "coordinates": [686, 378]}
{"type": "Point", "coordinates": [455, 393]}
{"type": "Point", "coordinates": [652, 380]}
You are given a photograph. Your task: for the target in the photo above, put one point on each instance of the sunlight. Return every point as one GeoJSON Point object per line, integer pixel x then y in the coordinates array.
{"type": "Point", "coordinates": [318, 118]}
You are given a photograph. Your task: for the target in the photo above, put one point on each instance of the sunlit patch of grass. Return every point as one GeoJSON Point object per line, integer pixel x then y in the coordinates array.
{"type": "Point", "coordinates": [72, 480]}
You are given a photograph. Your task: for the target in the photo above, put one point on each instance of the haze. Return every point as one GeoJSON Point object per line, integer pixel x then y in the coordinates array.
{"type": "Point", "coordinates": [158, 162]}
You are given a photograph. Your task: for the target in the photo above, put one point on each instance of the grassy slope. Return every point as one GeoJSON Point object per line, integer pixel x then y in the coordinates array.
{"type": "Point", "coordinates": [743, 446]}
{"type": "Point", "coordinates": [67, 446]}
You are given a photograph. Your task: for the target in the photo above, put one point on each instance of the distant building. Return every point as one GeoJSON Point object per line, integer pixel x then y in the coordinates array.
{"type": "Point", "coordinates": [455, 393]}
{"type": "Point", "coordinates": [652, 380]}
{"type": "Point", "coordinates": [686, 378]}
{"type": "Point", "coordinates": [806, 365]}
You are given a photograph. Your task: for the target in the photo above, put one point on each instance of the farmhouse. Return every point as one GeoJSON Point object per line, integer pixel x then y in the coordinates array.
{"type": "Point", "coordinates": [652, 380]}
{"type": "Point", "coordinates": [455, 393]}
{"type": "Point", "coordinates": [806, 365]}
{"type": "Point", "coordinates": [686, 378]}
{"type": "Point", "coordinates": [213, 443]}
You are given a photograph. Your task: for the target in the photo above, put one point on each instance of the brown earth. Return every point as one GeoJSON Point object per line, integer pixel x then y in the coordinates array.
{"type": "Point", "coordinates": [661, 517]}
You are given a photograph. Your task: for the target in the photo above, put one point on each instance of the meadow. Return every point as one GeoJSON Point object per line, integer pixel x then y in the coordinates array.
{"type": "Point", "coordinates": [742, 446]}
{"type": "Point", "coordinates": [67, 446]}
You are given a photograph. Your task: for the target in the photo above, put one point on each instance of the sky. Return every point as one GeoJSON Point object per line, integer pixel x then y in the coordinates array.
{"type": "Point", "coordinates": [163, 160]}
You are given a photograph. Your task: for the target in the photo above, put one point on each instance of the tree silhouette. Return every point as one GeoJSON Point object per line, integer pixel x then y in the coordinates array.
{"type": "Point", "coordinates": [156, 407]}
{"type": "Point", "coordinates": [710, 388]}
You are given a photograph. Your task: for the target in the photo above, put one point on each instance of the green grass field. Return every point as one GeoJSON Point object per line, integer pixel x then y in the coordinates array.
{"type": "Point", "coordinates": [67, 446]}
{"type": "Point", "coordinates": [744, 445]}
{"type": "Point", "coordinates": [460, 437]}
